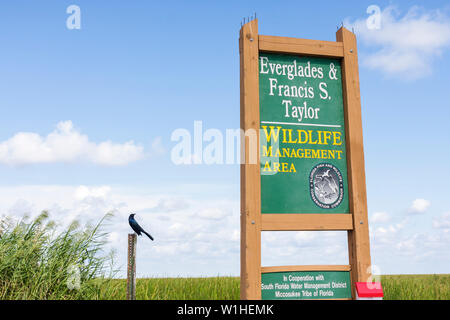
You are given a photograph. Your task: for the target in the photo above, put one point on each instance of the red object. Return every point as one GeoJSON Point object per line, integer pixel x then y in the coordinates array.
{"type": "Point", "coordinates": [369, 289]}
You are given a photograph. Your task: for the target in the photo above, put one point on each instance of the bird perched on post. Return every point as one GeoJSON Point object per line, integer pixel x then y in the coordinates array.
{"type": "Point", "coordinates": [136, 227]}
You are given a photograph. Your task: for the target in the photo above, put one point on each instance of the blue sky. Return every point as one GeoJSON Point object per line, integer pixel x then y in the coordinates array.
{"type": "Point", "coordinates": [113, 92]}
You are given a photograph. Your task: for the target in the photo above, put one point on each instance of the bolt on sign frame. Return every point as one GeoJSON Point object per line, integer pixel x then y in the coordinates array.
{"type": "Point", "coordinates": [253, 222]}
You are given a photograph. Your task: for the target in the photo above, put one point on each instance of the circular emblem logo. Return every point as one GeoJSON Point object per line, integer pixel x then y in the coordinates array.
{"type": "Point", "coordinates": [326, 186]}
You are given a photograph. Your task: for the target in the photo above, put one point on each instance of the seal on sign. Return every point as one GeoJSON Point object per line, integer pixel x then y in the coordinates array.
{"type": "Point", "coordinates": [326, 186]}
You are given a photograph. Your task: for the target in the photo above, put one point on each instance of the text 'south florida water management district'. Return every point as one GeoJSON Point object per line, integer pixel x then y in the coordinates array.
{"type": "Point", "coordinates": [306, 285]}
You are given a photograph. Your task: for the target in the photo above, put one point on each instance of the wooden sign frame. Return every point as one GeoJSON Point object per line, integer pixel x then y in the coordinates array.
{"type": "Point", "coordinates": [252, 221]}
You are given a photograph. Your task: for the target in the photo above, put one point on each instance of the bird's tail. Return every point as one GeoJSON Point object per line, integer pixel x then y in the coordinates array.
{"type": "Point", "coordinates": [148, 235]}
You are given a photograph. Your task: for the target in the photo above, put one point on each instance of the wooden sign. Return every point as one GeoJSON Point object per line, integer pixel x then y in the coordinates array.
{"type": "Point", "coordinates": [302, 97]}
{"type": "Point", "coordinates": [303, 158]}
{"type": "Point", "coordinates": [306, 285]}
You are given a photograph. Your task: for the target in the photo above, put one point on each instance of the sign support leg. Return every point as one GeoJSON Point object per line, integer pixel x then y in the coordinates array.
{"type": "Point", "coordinates": [250, 172]}
{"type": "Point", "coordinates": [358, 238]}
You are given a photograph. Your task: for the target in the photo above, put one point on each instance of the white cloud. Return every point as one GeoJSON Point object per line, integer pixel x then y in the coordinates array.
{"type": "Point", "coordinates": [423, 245]}
{"type": "Point", "coordinates": [169, 204]}
{"type": "Point", "coordinates": [379, 217]}
{"type": "Point", "coordinates": [443, 222]}
{"type": "Point", "coordinates": [83, 192]}
{"type": "Point", "coordinates": [419, 206]}
{"type": "Point", "coordinates": [21, 207]}
{"type": "Point", "coordinates": [158, 147]}
{"type": "Point", "coordinates": [213, 213]}
{"type": "Point", "coordinates": [199, 234]}
{"type": "Point", "coordinates": [66, 144]}
{"type": "Point", "coordinates": [303, 247]}
{"type": "Point", "coordinates": [402, 247]}
{"type": "Point", "coordinates": [236, 235]}
{"type": "Point", "coordinates": [406, 45]}
{"type": "Point", "coordinates": [204, 231]}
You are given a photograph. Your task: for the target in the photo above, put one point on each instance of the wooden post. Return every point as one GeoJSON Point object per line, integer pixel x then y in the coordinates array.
{"type": "Point", "coordinates": [250, 172]}
{"type": "Point", "coordinates": [131, 271]}
{"type": "Point", "coordinates": [358, 238]}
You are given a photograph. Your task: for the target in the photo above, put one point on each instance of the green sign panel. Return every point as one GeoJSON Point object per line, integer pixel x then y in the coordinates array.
{"type": "Point", "coordinates": [306, 285]}
{"type": "Point", "coordinates": [303, 154]}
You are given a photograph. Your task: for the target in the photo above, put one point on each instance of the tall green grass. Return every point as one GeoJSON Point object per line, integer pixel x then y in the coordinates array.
{"type": "Point", "coordinates": [204, 288]}
{"type": "Point", "coordinates": [416, 287]}
{"type": "Point", "coordinates": [37, 262]}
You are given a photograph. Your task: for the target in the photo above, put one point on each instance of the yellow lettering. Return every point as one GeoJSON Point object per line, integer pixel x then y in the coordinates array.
{"type": "Point", "coordinates": [293, 154]}
{"type": "Point", "coordinates": [269, 135]}
{"type": "Point", "coordinates": [292, 168]}
{"type": "Point", "coordinates": [300, 132]}
{"type": "Point", "coordinates": [310, 137]}
{"type": "Point", "coordinates": [319, 133]}
{"type": "Point", "coordinates": [267, 152]}
{"type": "Point", "coordinates": [284, 135]}
{"type": "Point", "coordinates": [277, 153]}
{"type": "Point", "coordinates": [290, 137]}
{"type": "Point", "coordinates": [327, 136]}
{"type": "Point", "coordinates": [307, 153]}
{"type": "Point", "coordinates": [336, 138]}
{"type": "Point", "coordinates": [276, 166]}
{"type": "Point", "coordinates": [316, 154]}
{"type": "Point", "coordinates": [331, 154]}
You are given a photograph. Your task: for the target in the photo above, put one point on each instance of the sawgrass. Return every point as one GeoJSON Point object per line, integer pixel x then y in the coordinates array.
{"type": "Point", "coordinates": [39, 262]}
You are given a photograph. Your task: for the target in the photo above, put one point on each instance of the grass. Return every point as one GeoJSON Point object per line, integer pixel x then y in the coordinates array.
{"type": "Point", "coordinates": [395, 287]}
{"type": "Point", "coordinates": [416, 287]}
{"type": "Point", "coordinates": [207, 288]}
{"type": "Point", "coordinates": [37, 262]}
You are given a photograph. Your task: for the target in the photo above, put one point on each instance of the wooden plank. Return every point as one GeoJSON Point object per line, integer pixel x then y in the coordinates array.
{"type": "Point", "coordinates": [250, 171]}
{"type": "Point", "coordinates": [306, 268]}
{"type": "Point", "coordinates": [301, 46]}
{"type": "Point", "coordinates": [306, 222]}
{"type": "Point", "coordinates": [131, 269]}
{"type": "Point", "coordinates": [358, 238]}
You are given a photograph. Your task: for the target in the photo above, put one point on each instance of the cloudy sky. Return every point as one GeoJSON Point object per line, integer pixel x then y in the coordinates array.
{"type": "Point", "coordinates": [88, 115]}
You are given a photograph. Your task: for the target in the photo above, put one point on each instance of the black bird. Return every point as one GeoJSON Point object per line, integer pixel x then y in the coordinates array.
{"type": "Point", "coordinates": [136, 227]}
